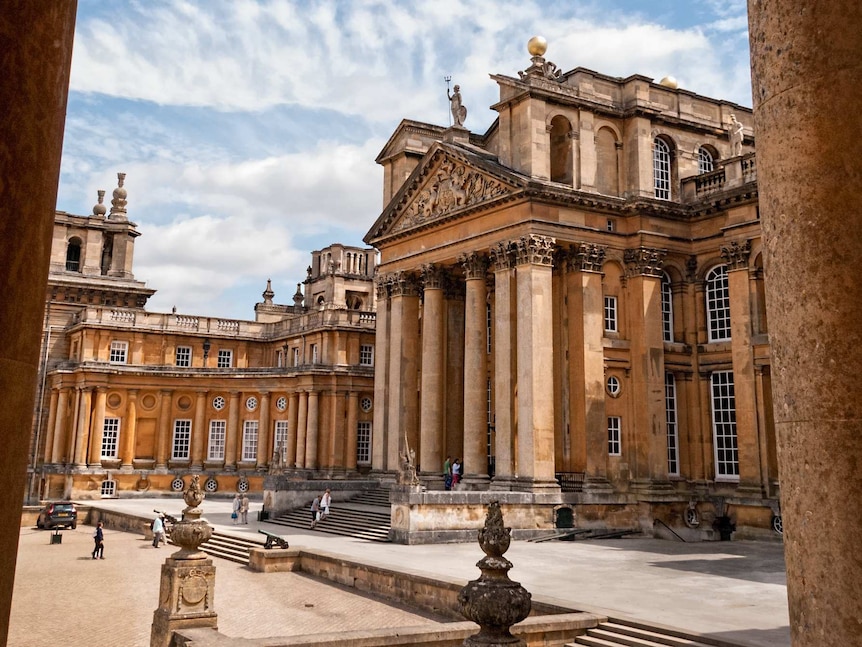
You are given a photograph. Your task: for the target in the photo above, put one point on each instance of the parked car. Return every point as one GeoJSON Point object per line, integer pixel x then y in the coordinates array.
{"type": "Point", "coordinates": [58, 514]}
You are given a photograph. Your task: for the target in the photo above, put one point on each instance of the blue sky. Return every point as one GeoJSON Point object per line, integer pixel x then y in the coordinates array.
{"type": "Point", "coordinates": [248, 130]}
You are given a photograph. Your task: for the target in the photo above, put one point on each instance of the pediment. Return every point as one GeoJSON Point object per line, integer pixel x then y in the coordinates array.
{"type": "Point", "coordinates": [442, 186]}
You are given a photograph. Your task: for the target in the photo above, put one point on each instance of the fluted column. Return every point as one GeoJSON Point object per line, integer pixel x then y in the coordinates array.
{"type": "Point", "coordinates": [312, 430]}
{"type": "Point", "coordinates": [475, 459]}
{"type": "Point", "coordinates": [352, 425]}
{"type": "Point", "coordinates": [535, 353]}
{"type": "Point", "coordinates": [648, 425]}
{"type": "Point", "coordinates": [292, 422]}
{"type": "Point", "coordinates": [433, 353]}
{"type": "Point", "coordinates": [264, 432]}
{"type": "Point", "coordinates": [403, 418]}
{"type": "Point", "coordinates": [198, 431]}
{"type": "Point", "coordinates": [301, 428]}
{"type": "Point", "coordinates": [129, 432]}
{"type": "Point", "coordinates": [505, 366]}
{"type": "Point", "coordinates": [381, 377]}
{"type": "Point", "coordinates": [230, 440]}
{"type": "Point", "coordinates": [163, 429]}
{"type": "Point", "coordinates": [97, 426]}
{"type": "Point", "coordinates": [60, 428]}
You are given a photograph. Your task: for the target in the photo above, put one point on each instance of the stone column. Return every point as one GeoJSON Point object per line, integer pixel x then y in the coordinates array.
{"type": "Point", "coordinates": [744, 386]}
{"type": "Point", "coordinates": [475, 462]}
{"type": "Point", "coordinates": [127, 454]}
{"type": "Point", "coordinates": [97, 427]}
{"type": "Point", "coordinates": [199, 431]}
{"type": "Point", "coordinates": [431, 416]}
{"type": "Point", "coordinates": [352, 427]}
{"type": "Point", "coordinates": [535, 357]}
{"type": "Point", "coordinates": [292, 421]}
{"type": "Point", "coordinates": [230, 440]}
{"type": "Point", "coordinates": [49, 426]}
{"type": "Point", "coordinates": [381, 377]}
{"type": "Point", "coordinates": [60, 428]}
{"type": "Point", "coordinates": [301, 429]}
{"type": "Point", "coordinates": [403, 418]}
{"type": "Point", "coordinates": [37, 51]}
{"type": "Point", "coordinates": [264, 432]}
{"type": "Point", "coordinates": [313, 429]}
{"type": "Point", "coordinates": [808, 93]}
{"type": "Point", "coordinates": [163, 430]}
{"type": "Point", "coordinates": [587, 356]}
{"type": "Point", "coordinates": [505, 368]}
{"type": "Point", "coordinates": [648, 425]}
{"type": "Point", "coordinates": [82, 428]}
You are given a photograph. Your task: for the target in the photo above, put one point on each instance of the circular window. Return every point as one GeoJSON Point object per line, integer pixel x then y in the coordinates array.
{"type": "Point", "coordinates": [177, 484]}
{"type": "Point", "coordinates": [365, 404]}
{"type": "Point", "coordinates": [778, 524]}
{"type": "Point", "coordinates": [184, 403]}
{"type": "Point", "coordinates": [251, 403]}
{"type": "Point", "coordinates": [211, 485]}
{"type": "Point", "coordinates": [692, 518]}
{"type": "Point", "coordinates": [614, 386]}
{"type": "Point", "coordinates": [281, 403]}
{"type": "Point", "coordinates": [218, 403]}
{"type": "Point", "coordinates": [242, 485]}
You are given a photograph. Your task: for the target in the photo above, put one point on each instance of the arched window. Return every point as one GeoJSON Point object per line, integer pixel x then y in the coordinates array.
{"type": "Point", "coordinates": [73, 255]}
{"type": "Point", "coordinates": [705, 161]}
{"type": "Point", "coordinates": [666, 308]}
{"type": "Point", "coordinates": [561, 150]}
{"type": "Point", "coordinates": [661, 168]}
{"type": "Point", "coordinates": [718, 304]}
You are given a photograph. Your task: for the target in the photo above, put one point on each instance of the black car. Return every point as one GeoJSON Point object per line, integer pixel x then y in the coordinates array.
{"type": "Point", "coordinates": [59, 514]}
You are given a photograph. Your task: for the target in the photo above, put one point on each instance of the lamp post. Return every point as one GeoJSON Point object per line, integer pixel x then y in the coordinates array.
{"type": "Point", "coordinates": [207, 346]}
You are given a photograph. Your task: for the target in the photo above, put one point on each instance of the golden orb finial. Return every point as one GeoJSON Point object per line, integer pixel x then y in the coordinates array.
{"type": "Point", "coordinates": [669, 82]}
{"type": "Point", "coordinates": [537, 46]}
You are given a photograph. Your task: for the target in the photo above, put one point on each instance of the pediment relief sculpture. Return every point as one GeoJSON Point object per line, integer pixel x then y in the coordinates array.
{"type": "Point", "coordinates": [452, 185]}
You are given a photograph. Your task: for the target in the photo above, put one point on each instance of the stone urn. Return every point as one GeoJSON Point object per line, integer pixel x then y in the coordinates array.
{"type": "Point", "coordinates": [192, 531]}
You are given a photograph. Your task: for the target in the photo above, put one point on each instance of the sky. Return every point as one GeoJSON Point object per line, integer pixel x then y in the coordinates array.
{"type": "Point", "coordinates": [248, 129]}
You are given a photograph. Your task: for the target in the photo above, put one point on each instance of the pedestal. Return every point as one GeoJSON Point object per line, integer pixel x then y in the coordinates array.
{"type": "Point", "coordinates": [185, 598]}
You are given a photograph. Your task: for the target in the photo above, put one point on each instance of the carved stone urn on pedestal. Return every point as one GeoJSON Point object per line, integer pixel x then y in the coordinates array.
{"type": "Point", "coordinates": [494, 602]}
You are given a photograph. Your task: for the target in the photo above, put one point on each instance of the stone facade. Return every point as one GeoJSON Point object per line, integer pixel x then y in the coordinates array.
{"type": "Point", "coordinates": [136, 401]}
{"type": "Point", "coordinates": [572, 302]}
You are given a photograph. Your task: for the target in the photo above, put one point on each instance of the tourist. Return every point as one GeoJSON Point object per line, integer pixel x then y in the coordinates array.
{"type": "Point", "coordinates": [158, 530]}
{"type": "Point", "coordinates": [456, 472]}
{"type": "Point", "coordinates": [237, 504]}
{"type": "Point", "coordinates": [447, 473]}
{"type": "Point", "coordinates": [243, 508]}
{"type": "Point", "coordinates": [325, 502]}
{"type": "Point", "coordinates": [99, 539]}
{"type": "Point", "coordinates": [315, 511]}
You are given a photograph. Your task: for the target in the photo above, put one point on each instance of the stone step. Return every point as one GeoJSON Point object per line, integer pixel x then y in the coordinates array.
{"type": "Point", "coordinates": [234, 549]}
{"type": "Point", "coordinates": [645, 635]}
{"type": "Point", "coordinates": [378, 498]}
{"type": "Point", "coordinates": [347, 519]}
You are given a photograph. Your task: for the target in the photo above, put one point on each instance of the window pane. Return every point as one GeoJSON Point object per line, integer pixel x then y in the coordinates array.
{"type": "Point", "coordinates": [661, 169]}
{"type": "Point", "coordinates": [215, 447]}
{"type": "Point", "coordinates": [724, 424]}
{"type": "Point", "coordinates": [182, 439]}
{"type": "Point", "coordinates": [110, 437]}
{"type": "Point", "coordinates": [249, 440]}
{"type": "Point", "coordinates": [718, 304]}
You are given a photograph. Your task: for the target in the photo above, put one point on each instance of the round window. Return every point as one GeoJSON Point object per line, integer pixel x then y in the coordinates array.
{"type": "Point", "coordinates": [281, 403]}
{"type": "Point", "coordinates": [242, 485]}
{"type": "Point", "coordinates": [251, 403]}
{"type": "Point", "coordinates": [218, 403]}
{"type": "Point", "coordinates": [177, 484]}
{"type": "Point", "coordinates": [365, 404]}
{"type": "Point", "coordinates": [614, 386]}
{"type": "Point", "coordinates": [211, 485]}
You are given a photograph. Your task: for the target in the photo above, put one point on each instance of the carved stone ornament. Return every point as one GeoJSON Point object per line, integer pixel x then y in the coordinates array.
{"type": "Point", "coordinates": [475, 265]}
{"type": "Point", "coordinates": [538, 250]}
{"type": "Point", "coordinates": [407, 474]}
{"type": "Point", "coordinates": [736, 255]}
{"type": "Point", "coordinates": [452, 185]}
{"type": "Point", "coordinates": [119, 202]}
{"type": "Point", "coordinates": [494, 602]}
{"type": "Point", "coordinates": [432, 276]}
{"type": "Point", "coordinates": [402, 284]}
{"type": "Point", "coordinates": [644, 261]}
{"type": "Point", "coordinates": [589, 257]}
{"type": "Point", "coordinates": [192, 531]}
{"type": "Point", "coordinates": [382, 284]}
{"type": "Point", "coordinates": [503, 255]}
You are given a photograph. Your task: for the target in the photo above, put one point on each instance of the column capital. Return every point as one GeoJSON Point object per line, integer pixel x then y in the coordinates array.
{"type": "Point", "coordinates": [475, 265]}
{"type": "Point", "coordinates": [433, 276]}
{"type": "Point", "coordinates": [588, 257]}
{"type": "Point", "coordinates": [536, 250]}
{"type": "Point", "coordinates": [382, 286]}
{"type": "Point", "coordinates": [644, 261]}
{"type": "Point", "coordinates": [736, 255]}
{"type": "Point", "coordinates": [402, 284]}
{"type": "Point", "coordinates": [502, 255]}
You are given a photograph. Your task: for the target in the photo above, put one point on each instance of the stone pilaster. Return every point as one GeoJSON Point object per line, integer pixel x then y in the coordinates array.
{"type": "Point", "coordinates": [199, 431]}
{"type": "Point", "coordinates": [433, 349]}
{"type": "Point", "coordinates": [82, 428]}
{"type": "Point", "coordinates": [232, 433]}
{"type": "Point", "coordinates": [352, 425]}
{"type": "Point", "coordinates": [130, 431]}
{"type": "Point", "coordinates": [505, 308]}
{"type": "Point", "coordinates": [264, 432]}
{"type": "Point", "coordinates": [97, 427]}
{"type": "Point", "coordinates": [60, 428]}
{"type": "Point", "coordinates": [301, 429]}
{"type": "Point", "coordinates": [292, 422]}
{"type": "Point", "coordinates": [381, 376]}
{"type": "Point", "coordinates": [312, 430]}
{"type": "Point", "coordinates": [475, 458]}
{"type": "Point", "coordinates": [163, 430]}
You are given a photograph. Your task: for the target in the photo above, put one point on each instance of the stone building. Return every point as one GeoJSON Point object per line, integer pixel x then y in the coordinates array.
{"type": "Point", "coordinates": [135, 401]}
{"type": "Point", "coordinates": [573, 303]}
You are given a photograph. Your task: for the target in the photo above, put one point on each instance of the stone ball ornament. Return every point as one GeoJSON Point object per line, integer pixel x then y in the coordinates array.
{"type": "Point", "coordinates": [537, 46]}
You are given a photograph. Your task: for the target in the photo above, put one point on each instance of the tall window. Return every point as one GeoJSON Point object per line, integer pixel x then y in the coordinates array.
{"type": "Point", "coordinates": [614, 442]}
{"type": "Point", "coordinates": [718, 304]}
{"type": "Point", "coordinates": [110, 437]}
{"type": "Point", "coordinates": [182, 440]}
{"type": "Point", "coordinates": [705, 163]}
{"type": "Point", "coordinates": [315, 354]}
{"type": "Point", "coordinates": [672, 432]}
{"type": "Point", "coordinates": [363, 443]}
{"type": "Point", "coordinates": [296, 357]}
{"type": "Point", "coordinates": [215, 445]}
{"type": "Point", "coordinates": [119, 352]}
{"type": "Point", "coordinates": [249, 440]}
{"type": "Point", "coordinates": [73, 255]}
{"type": "Point", "coordinates": [724, 425]}
{"type": "Point", "coordinates": [489, 327]}
{"type": "Point", "coordinates": [366, 355]}
{"type": "Point", "coordinates": [184, 356]}
{"type": "Point", "coordinates": [611, 314]}
{"type": "Point", "coordinates": [661, 168]}
{"type": "Point", "coordinates": [280, 436]}
{"type": "Point", "coordinates": [666, 308]}
{"type": "Point", "coordinates": [225, 358]}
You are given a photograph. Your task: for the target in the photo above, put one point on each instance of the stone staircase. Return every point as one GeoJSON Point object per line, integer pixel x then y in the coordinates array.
{"type": "Point", "coordinates": [229, 547]}
{"type": "Point", "coordinates": [621, 632]}
{"type": "Point", "coordinates": [363, 517]}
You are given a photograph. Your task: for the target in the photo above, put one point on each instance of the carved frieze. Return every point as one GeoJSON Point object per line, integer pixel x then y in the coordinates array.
{"type": "Point", "coordinates": [691, 269]}
{"type": "Point", "coordinates": [452, 185]}
{"type": "Point", "coordinates": [475, 265]}
{"type": "Point", "coordinates": [537, 250]}
{"type": "Point", "coordinates": [588, 257]}
{"type": "Point", "coordinates": [736, 255]}
{"type": "Point", "coordinates": [644, 261]}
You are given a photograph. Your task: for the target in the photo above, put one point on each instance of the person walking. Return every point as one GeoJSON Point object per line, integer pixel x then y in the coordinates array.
{"type": "Point", "coordinates": [158, 531]}
{"type": "Point", "coordinates": [315, 512]}
{"type": "Point", "coordinates": [99, 539]}
{"type": "Point", "coordinates": [325, 502]}
{"type": "Point", "coordinates": [237, 504]}
{"type": "Point", "coordinates": [447, 473]}
{"type": "Point", "coordinates": [243, 508]}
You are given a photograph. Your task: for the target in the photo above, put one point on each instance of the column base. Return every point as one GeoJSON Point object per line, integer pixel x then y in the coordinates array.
{"type": "Point", "coordinates": [597, 485]}
{"type": "Point", "coordinates": [535, 486]}
{"type": "Point", "coordinates": [473, 482]}
{"type": "Point", "coordinates": [432, 480]}
{"type": "Point", "coordinates": [650, 489]}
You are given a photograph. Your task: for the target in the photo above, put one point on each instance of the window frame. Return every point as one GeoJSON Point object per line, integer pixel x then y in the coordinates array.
{"type": "Point", "coordinates": [661, 169]}
{"type": "Point", "coordinates": [250, 440]}
{"type": "Point", "coordinates": [110, 436]}
{"type": "Point", "coordinates": [216, 440]}
{"type": "Point", "coordinates": [615, 440]}
{"type": "Point", "coordinates": [364, 432]}
{"type": "Point", "coordinates": [280, 434]}
{"type": "Point", "coordinates": [181, 439]}
{"type": "Point", "coordinates": [725, 438]}
{"type": "Point", "coordinates": [672, 419]}
{"type": "Point", "coordinates": [366, 354]}
{"type": "Point", "coordinates": [666, 288]}
{"type": "Point", "coordinates": [224, 358]}
{"type": "Point", "coordinates": [183, 362]}
{"type": "Point", "coordinates": [705, 161]}
{"type": "Point", "coordinates": [611, 314]}
{"type": "Point", "coordinates": [717, 301]}
{"type": "Point", "coordinates": [118, 353]}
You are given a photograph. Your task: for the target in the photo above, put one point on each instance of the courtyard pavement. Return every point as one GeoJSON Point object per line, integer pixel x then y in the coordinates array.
{"type": "Point", "coordinates": [735, 591]}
